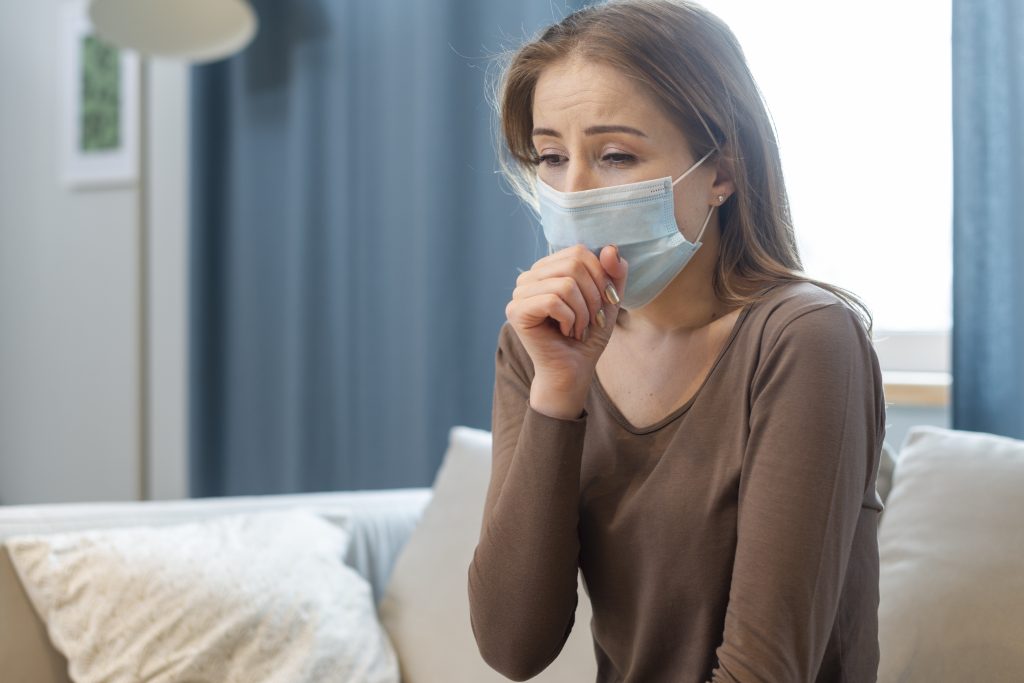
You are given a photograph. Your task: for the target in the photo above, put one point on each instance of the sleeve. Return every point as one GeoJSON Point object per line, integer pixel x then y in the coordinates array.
{"type": "Point", "coordinates": [523, 576]}
{"type": "Point", "coordinates": [815, 431]}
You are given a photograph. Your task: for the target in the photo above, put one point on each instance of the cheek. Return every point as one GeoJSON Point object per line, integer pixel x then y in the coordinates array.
{"type": "Point", "coordinates": [689, 215]}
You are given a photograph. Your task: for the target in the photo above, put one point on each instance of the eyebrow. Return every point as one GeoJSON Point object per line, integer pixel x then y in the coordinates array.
{"type": "Point", "coordinates": [593, 130]}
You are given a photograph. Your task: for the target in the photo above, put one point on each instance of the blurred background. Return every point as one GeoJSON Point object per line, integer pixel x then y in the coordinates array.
{"type": "Point", "coordinates": [283, 268]}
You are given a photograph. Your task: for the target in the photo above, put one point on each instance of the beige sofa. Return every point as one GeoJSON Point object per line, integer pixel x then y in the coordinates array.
{"type": "Point", "coordinates": [951, 543]}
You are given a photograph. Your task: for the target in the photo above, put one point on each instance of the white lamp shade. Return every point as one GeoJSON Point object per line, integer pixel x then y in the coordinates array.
{"type": "Point", "coordinates": [193, 30]}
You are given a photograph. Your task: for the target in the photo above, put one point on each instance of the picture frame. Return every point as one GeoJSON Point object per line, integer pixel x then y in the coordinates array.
{"type": "Point", "coordinates": [99, 96]}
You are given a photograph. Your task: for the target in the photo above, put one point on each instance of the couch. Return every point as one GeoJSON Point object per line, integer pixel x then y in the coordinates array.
{"type": "Point", "coordinates": [951, 542]}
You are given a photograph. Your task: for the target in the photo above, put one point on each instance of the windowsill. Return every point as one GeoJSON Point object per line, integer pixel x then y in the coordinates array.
{"type": "Point", "coordinates": [917, 389]}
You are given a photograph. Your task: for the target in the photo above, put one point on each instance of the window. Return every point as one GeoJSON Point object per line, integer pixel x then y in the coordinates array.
{"type": "Point", "coordinates": [861, 99]}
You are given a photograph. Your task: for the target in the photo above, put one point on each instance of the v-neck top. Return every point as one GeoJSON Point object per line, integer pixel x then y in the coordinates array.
{"type": "Point", "coordinates": [734, 540]}
{"type": "Point", "coordinates": [609, 404]}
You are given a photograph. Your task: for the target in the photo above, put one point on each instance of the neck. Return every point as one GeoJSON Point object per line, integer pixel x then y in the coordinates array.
{"type": "Point", "coordinates": [687, 305]}
{"type": "Point", "coordinates": [665, 317]}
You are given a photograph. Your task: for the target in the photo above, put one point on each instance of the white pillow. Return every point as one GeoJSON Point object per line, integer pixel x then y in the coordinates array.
{"type": "Point", "coordinates": [256, 597]}
{"type": "Point", "coordinates": [425, 607]}
{"type": "Point", "coordinates": [951, 546]}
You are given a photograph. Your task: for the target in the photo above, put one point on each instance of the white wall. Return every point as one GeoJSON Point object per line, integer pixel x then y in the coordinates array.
{"type": "Point", "coordinates": [70, 360]}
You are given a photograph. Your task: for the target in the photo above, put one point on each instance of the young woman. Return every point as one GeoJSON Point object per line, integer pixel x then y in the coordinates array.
{"type": "Point", "coordinates": [678, 411]}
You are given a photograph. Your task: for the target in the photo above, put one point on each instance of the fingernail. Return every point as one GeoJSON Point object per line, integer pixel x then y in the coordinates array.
{"type": "Point", "coordinates": [609, 291]}
{"type": "Point", "coordinates": [586, 333]}
{"type": "Point", "coordinates": [617, 253]}
{"type": "Point", "coordinates": [601, 320]}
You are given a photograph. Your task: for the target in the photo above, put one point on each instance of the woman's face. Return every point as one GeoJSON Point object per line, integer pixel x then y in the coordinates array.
{"type": "Point", "coordinates": [594, 127]}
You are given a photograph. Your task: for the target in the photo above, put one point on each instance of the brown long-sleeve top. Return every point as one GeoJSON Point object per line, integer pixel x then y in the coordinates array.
{"type": "Point", "coordinates": [734, 540]}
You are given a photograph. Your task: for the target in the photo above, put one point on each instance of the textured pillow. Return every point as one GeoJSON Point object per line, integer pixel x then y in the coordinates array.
{"type": "Point", "coordinates": [951, 546]}
{"type": "Point", "coordinates": [255, 597]}
{"type": "Point", "coordinates": [426, 605]}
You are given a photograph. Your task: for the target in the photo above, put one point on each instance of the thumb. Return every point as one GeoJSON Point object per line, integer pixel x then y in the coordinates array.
{"type": "Point", "coordinates": [616, 267]}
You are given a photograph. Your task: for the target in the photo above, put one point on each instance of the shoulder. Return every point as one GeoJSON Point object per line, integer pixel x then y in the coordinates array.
{"type": "Point", "coordinates": [805, 314]}
{"type": "Point", "coordinates": [814, 338]}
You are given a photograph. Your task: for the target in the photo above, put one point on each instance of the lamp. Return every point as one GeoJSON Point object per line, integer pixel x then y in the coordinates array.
{"type": "Point", "coordinates": [192, 30]}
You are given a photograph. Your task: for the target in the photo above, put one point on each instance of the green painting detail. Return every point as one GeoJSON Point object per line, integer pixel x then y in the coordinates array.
{"type": "Point", "coordinates": [101, 96]}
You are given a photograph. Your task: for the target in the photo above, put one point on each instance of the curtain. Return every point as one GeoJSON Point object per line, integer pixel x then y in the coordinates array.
{"type": "Point", "coordinates": [988, 216]}
{"type": "Point", "coordinates": [352, 249]}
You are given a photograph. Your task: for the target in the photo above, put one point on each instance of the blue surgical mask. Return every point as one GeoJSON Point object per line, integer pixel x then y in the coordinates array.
{"type": "Point", "coordinates": [638, 217]}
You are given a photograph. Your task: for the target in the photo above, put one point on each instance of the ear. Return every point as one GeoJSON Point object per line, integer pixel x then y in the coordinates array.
{"type": "Point", "coordinates": [724, 185]}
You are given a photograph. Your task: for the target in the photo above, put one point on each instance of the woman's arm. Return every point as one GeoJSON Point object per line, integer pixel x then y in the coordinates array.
{"type": "Point", "coordinates": [816, 427]}
{"type": "Point", "coordinates": [522, 580]}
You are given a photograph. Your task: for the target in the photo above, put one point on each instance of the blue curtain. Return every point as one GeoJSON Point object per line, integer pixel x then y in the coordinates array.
{"type": "Point", "coordinates": [988, 216]}
{"type": "Point", "coordinates": [352, 247]}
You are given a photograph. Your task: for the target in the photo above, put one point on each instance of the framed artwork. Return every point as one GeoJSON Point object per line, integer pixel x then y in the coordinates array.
{"type": "Point", "coordinates": [99, 105]}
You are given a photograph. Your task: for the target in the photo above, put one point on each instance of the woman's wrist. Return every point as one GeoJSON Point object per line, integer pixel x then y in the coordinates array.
{"type": "Point", "coordinates": [558, 399]}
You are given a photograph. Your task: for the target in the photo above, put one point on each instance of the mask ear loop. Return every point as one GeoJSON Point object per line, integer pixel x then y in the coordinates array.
{"type": "Point", "coordinates": [706, 219]}
{"type": "Point", "coordinates": [688, 171]}
{"type": "Point", "coordinates": [694, 167]}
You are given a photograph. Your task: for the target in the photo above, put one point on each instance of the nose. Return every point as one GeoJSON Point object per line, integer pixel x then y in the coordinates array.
{"type": "Point", "coordinates": [578, 177]}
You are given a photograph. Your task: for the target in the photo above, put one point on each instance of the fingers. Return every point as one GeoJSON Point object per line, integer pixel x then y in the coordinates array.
{"type": "Point", "coordinates": [570, 287]}
{"type": "Point", "coordinates": [568, 290]}
{"type": "Point", "coordinates": [534, 311]}
{"type": "Point", "coordinates": [579, 263]}
{"type": "Point", "coordinates": [579, 252]}
{"type": "Point", "coordinates": [616, 267]}
{"type": "Point", "coordinates": [570, 279]}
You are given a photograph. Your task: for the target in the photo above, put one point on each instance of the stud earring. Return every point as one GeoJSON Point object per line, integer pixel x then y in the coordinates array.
{"type": "Point", "coordinates": [721, 198]}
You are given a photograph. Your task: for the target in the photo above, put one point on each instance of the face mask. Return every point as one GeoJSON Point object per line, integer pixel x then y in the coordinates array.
{"type": "Point", "coordinates": [638, 217]}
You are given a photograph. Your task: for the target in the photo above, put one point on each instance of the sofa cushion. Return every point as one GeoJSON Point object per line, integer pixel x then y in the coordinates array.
{"type": "Point", "coordinates": [886, 466]}
{"type": "Point", "coordinates": [952, 560]}
{"type": "Point", "coordinates": [425, 608]}
{"type": "Point", "coordinates": [378, 522]}
{"type": "Point", "coordinates": [254, 597]}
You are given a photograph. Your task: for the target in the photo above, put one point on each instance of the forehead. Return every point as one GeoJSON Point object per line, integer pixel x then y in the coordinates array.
{"type": "Point", "coordinates": [578, 91]}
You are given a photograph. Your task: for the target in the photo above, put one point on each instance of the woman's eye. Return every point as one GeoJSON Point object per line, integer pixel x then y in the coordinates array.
{"type": "Point", "coordinates": [613, 158]}
{"type": "Point", "coordinates": [618, 158]}
{"type": "Point", "coordinates": [550, 159]}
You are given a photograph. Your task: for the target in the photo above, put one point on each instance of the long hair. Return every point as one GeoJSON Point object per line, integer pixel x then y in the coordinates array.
{"type": "Point", "coordinates": [693, 66]}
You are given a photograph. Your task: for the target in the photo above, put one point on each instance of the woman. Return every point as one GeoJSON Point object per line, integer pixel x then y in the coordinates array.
{"type": "Point", "coordinates": [697, 429]}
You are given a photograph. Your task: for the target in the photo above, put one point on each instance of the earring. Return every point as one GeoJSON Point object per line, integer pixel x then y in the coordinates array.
{"type": "Point", "coordinates": [721, 198]}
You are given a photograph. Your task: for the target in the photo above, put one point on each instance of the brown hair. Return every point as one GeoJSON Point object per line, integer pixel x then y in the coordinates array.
{"type": "Point", "coordinates": [692, 64]}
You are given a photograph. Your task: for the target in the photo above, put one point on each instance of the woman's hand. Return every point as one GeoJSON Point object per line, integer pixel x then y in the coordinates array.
{"type": "Point", "coordinates": [555, 312]}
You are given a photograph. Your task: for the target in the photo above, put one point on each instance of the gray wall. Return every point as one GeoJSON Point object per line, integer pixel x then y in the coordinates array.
{"type": "Point", "coordinates": [70, 361]}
